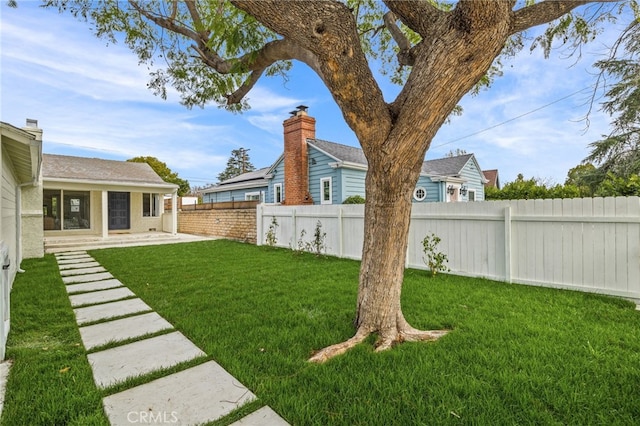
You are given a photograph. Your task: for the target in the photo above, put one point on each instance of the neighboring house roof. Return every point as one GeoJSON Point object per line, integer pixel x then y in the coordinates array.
{"type": "Point", "coordinates": [492, 177]}
{"type": "Point", "coordinates": [340, 152]}
{"type": "Point", "coordinates": [252, 179]}
{"type": "Point", "coordinates": [68, 168]}
{"type": "Point", "coordinates": [449, 166]}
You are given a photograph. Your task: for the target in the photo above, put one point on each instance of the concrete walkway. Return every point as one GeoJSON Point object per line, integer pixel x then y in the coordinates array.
{"type": "Point", "coordinates": [126, 339]}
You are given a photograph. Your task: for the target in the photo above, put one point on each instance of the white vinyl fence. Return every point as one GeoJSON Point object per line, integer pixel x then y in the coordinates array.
{"type": "Point", "coordinates": [588, 244]}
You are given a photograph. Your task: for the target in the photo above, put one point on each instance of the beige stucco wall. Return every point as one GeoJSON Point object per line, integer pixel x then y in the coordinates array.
{"type": "Point", "coordinates": [32, 229]}
{"type": "Point", "coordinates": [140, 223]}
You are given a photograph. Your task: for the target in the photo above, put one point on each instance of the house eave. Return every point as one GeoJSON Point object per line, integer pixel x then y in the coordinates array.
{"type": "Point", "coordinates": [348, 165]}
{"type": "Point", "coordinates": [168, 187]}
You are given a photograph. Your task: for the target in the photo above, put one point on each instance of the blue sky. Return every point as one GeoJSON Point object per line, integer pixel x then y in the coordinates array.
{"type": "Point", "coordinates": [91, 100]}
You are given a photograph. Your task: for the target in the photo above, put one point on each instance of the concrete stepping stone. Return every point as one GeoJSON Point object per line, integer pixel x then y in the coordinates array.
{"type": "Point", "coordinates": [63, 262]}
{"type": "Point", "coordinates": [74, 257]}
{"type": "Point", "coordinates": [194, 396]}
{"type": "Point", "coordinates": [122, 329]}
{"type": "Point", "coordinates": [70, 253]}
{"type": "Point", "coordinates": [101, 296]}
{"type": "Point", "coordinates": [109, 310]}
{"type": "Point", "coordinates": [115, 365]}
{"type": "Point", "coordinates": [86, 278]}
{"type": "Point", "coordinates": [262, 417]}
{"type": "Point", "coordinates": [80, 265]}
{"type": "Point", "coordinates": [82, 271]}
{"type": "Point", "coordinates": [93, 286]}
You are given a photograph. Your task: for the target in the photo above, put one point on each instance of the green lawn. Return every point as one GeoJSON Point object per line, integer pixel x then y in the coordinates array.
{"type": "Point", "coordinates": [516, 355]}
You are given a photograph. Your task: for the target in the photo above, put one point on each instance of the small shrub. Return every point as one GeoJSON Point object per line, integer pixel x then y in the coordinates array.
{"type": "Point", "coordinates": [318, 246]}
{"type": "Point", "coordinates": [270, 238]}
{"type": "Point", "coordinates": [354, 199]}
{"type": "Point", "coordinates": [435, 260]}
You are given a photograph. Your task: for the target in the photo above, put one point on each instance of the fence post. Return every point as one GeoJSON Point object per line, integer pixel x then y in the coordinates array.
{"type": "Point", "coordinates": [340, 230]}
{"type": "Point", "coordinates": [507, 244]}
{"type": "Point", "coordinates": [295, 229]}
{"type": "Point", "coordinates": [259, 224]}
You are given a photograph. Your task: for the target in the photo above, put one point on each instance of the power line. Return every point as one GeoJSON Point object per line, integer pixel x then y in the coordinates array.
{"type": "Point", "coordinates": [514, 118]}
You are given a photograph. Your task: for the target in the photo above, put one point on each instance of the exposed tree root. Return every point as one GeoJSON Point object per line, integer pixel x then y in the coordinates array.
{"type": "Point", "coordinates": [406, 334]}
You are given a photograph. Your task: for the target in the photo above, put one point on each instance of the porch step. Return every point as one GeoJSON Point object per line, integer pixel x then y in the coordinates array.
{"type": "Point", "coordinates": [67, 243]}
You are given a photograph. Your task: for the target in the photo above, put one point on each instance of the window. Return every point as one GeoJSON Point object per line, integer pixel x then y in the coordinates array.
{"type": "Point", "coordinates": [252, 196]}
{"type": "Point", "coordinates": [472, 194]}
{"type": "Point", "coordinates": [76, 210]}
{"type": "Point", "coordinates": [419, 193]}
{"type": "Point", "coordinates": [150, 205]}
{"type": "Point", "coordinates": [51, 209]}
{"type": "Point", "coordinates": [325, 191]}
{"type": "Point", "coordinates": [277, 193]}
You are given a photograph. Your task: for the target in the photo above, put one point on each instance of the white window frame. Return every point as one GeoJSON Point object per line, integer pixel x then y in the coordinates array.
{"type": "Point", "coordinates": [276, 187]}
{"type": "Point", "coordinates": [322, 184]}
{"type": "Point", "coordinates": [415, 193]}
{"type": "Point", "coordinates": [250, 196]}
{"type": "Point", "coordinates": [469, 192]}
{"type": "Point", "coordinates": [154, 205]}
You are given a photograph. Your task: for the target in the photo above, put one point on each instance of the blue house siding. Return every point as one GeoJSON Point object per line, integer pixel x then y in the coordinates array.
{"type": "Point", "coordinates": [432, 188]}
{"type": "Point", "coordinates": [319, 168]}
{"type": "Point", "coordinates": [232, 195]}
{"type": "Point", "coordinates": [352, 183]}
{"type": "Point", "coordinates": [472, 175]}
{"type": "Point", "coordinates": [277, 171]}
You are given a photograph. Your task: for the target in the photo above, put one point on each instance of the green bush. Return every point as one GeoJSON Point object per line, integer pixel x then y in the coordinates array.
{"type": "Point", "coordinates": [354, 199]}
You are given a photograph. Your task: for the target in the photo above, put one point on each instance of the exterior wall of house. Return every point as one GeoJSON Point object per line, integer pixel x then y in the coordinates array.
{"type": "Point", "coordinates": [319, 169]}
{"type": "Point", "coordinates": [31, 217]}
{"type": "Point", "coordinates": [278, 178]}
{"type": "Point", "coordinates": [433, 190]}
{"type": "Point", "coordinates": [8, 218]}
{"type": "Point", "coordinates": [234, 195]}
{"type": "Point", "coordinates": [351, 183]}
{"type": "Point", "coordinates": [473, 177]}
{"type": "Point", "coordinates": [139, 222]}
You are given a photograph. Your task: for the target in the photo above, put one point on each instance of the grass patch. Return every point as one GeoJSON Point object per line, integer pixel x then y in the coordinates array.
{"type": "Point", "coordinates": [517, 355]}
{"type": "Point", "coordinates": [50, 382]}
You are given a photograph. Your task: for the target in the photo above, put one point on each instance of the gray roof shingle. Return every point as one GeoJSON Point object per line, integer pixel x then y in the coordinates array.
{"type": "Point", "coordinates": [95, 169]}
{"type": "Point", "coordinates": [448, 166]}
{"type": "Point", "coordinates": [340, 152]}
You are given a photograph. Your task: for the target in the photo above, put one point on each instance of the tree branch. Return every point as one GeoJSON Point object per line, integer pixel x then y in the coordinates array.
{"type": "Point", "coordinates": [405, 56]}
{"type": "Point", "coordinates": [327, 29]}
{"type": "Point", "coordinates": [420, 16]}
{"type": "Point", "coordinates": [541, 13]}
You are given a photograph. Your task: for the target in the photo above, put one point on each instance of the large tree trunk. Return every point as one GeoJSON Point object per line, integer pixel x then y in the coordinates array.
{"type": "Point", "coordinates": [389, 188]}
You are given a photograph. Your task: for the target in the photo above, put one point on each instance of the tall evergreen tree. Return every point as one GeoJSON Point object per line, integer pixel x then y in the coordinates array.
{"type": "Point", "coordinates": [237, 164]}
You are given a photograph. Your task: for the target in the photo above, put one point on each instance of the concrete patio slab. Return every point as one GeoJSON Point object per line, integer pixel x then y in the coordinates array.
{"type": "Point", "coordinates": [70, 253]}
{"type": "Point", "coordinates": [101, 296]}
{"type": "Point", "coordinates": [109, 310]}
{"type": "Point", "coordinates": [93, 286]}
{"type": "Point", "coordinates": [85, 259]}
{"type": "Point", "coordinates": [86, 278]}
{"type": "Point", "coordinates": [262, 417]}
{"type": "Point", "coordinates": [78, 265]}
{"type": "Point", "coordinates": [194, 396]}
{"type": "Point", "coordinates": [115, 365]}
{"type": "Point", "coordinates": [122, 329]}
{"type": "Point", "coordinates": [82, 271]}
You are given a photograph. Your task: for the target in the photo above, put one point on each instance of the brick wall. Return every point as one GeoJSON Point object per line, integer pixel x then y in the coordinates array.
{"type": "Point", "coordinates": [234, 224]}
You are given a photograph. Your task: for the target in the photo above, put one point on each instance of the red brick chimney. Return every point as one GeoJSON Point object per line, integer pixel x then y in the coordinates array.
{"type": "Point", "coordinates": [297, 129]}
